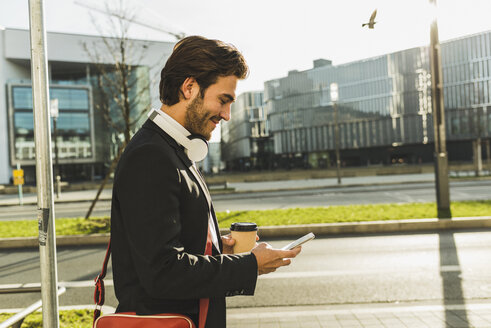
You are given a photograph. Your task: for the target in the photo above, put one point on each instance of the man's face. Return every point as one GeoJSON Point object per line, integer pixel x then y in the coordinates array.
{"type": "Point", "coordinates": [204, 113]}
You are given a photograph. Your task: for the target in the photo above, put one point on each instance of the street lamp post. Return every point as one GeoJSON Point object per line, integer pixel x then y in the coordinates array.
{"type": "Point", "coordinates": [44, 169]}
{"type": "Point", "coordinates": [488, 155]}
{"type": "Point", "coordinates": [440, 155]}
{"type": "Point", "coordinates": [334, 98]}
{"type": "Point", "coordinates": [477, 147]}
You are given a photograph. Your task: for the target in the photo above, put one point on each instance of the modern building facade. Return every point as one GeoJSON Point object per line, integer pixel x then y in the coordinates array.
{"type": "Point", "coordinates": [213, 163]}
{"type": "Point", "coordinates": [86, 144]}
{"type": "Point", "coordinates": [385, 114]}
{"type": "Point", "coordinates": [245, 138]}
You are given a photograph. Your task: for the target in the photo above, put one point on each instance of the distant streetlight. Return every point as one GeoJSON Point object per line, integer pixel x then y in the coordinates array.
{"type": "Point", "coordinates": [441, 156]}
{"type": "Point", "coordinates": [334, 98]}
{"type": "Point", "coordinates": [54, 115]}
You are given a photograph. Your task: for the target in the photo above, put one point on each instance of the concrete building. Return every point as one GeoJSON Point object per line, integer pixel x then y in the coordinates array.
{"type": "Point", "coordinates": [385, 114]}
{"type": "Point", "coordinates": [86, 144]}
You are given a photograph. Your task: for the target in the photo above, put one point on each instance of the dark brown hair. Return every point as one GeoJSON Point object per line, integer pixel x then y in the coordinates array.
{"type": "Point", "coordinates": [203, 59]}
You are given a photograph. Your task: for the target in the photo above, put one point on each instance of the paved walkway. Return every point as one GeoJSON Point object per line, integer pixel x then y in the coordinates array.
{"type": "Point", "coordinates": [332, 182]}
{"type": "Point", "coordinates": [472, 314]}
{"type": "Point", "coordinates": [88, 195]}
{"type": "Point", "coordinates": [429, 315]}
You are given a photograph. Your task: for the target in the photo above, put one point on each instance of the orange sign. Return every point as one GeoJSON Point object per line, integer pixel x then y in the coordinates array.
{"type": "Point", "coordinates": [18, 180]}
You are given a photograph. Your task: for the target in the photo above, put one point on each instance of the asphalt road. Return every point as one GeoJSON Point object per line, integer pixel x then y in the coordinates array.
{"type": "Point", "coordinates": [451, 267]}
{"type": "Point", "coordinates": [399, 193]}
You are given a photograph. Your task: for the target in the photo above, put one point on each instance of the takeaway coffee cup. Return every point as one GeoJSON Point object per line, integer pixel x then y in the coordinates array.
{"type": "Point", "coordinates": [244, 234]}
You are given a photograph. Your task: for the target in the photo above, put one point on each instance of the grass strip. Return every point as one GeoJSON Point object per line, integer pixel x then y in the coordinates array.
{"type": "Point", "coordinates": [69, 226]}
{"type": "Point", "coordinates": [68, 319]}
{"type": "Point", "coordinates": [329, 214]}
{"type": "Point", "coordinates": [352, 213]}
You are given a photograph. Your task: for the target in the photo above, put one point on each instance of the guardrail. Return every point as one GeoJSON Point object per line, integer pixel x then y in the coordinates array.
{"type": "Point", "coordinates": [218, 185]}
{"type": "Point", "coordinates": [16, 320]}
{"type": "Point", "coordinates": [20, 288]}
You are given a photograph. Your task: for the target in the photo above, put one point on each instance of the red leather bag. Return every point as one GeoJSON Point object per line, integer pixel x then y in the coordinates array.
{"type": "Point", "coordinates": [131, 319]}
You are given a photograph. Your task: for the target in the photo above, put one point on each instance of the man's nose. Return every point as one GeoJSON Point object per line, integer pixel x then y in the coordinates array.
{"type": "Point", "coordinates": [225, 114]}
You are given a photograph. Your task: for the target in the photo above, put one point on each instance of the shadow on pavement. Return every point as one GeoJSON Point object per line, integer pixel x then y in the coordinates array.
{"type": "Point", "coordinates": [451, 273]}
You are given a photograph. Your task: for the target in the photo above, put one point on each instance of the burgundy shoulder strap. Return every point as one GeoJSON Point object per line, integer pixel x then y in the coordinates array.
{"type": "Point", "coordinates": [99, 291]}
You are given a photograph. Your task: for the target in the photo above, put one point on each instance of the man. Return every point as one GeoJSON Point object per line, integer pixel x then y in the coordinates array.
{"type": "Point", "coordinates": [161, 217]}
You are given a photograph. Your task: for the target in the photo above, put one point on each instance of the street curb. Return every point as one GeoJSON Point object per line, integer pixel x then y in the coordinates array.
{"type": "Point", "coordinates": [76, 240]}
{"type": "Point", "coordinates": [373, 227]}
{"type": "Point", "coordinates": [324, 187]}
{"type": "Point", "coordinates": [321, 229]}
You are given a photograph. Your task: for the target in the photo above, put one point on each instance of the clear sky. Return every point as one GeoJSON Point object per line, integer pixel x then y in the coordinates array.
{"type": "Point", "coordinates": [281, 35]}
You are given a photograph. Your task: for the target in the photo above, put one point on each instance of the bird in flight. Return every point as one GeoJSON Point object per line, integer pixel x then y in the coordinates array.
{"type": "Point", "coordinates": [371, 23]}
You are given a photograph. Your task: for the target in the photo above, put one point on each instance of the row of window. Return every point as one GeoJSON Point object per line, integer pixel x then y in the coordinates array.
{"type": "Point", "coordinates": [351, 135]}
{"type": "Point", "coordinates": [411, 129]}
{"type": "Point", "coordinates": [468, 94]}
{"type": "Point", "coordinates": [466, 49]}
{"type": "Point", "coordinates": [68, 99]}
{"type": "Point", "coordinates": [66, 124]}
{"type": "Point", "coordinates": [467, 71]}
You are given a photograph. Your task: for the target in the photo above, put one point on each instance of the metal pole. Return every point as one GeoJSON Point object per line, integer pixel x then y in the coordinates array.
{"type": "Point", "coordinates": [488, 155]}
{"type": "Point", "coordinates": [441, 156]}
{"type": "Point", "coordinates": [477, 157]}
{"type": "Point", "coordinates": [57, 163]}
{"type": "Point", "coordinates": [44, 168]}
{"type": "Point", "coordinates": [336, 137]}
{"type": "Point", "coordinates": [21, 198]}
{"type": "Point", "coordinates": [477, 145]}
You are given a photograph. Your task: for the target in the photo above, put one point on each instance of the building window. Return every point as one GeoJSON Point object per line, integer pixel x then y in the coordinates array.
{"type": "Point", "coordinates": [73, 123]}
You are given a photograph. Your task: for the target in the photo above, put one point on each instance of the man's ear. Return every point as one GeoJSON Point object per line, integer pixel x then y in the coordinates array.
{"type": "Point", "coordinates": [189, 88]}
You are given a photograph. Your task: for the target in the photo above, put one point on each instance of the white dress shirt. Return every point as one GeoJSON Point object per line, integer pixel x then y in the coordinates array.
{"type": "Point", "coordinates": [185, 132]}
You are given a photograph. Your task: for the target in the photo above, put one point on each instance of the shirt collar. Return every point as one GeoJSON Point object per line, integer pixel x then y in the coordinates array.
{"type": "Point", "coordinates": [175, 124]}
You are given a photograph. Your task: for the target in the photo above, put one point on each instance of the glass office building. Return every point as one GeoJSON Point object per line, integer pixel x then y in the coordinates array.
{"type": "Point", "coordinates": [88, 138]}
{"type": "Point", "coordinates": [86, 141]}
{"type": "Point", "coordinates": [245, 140]}
{"type": "Point", "coordinates": [384, 107]}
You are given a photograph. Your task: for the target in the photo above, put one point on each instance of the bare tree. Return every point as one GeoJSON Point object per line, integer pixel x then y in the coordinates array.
{"type": "Point", "coordinates": [123, 94]}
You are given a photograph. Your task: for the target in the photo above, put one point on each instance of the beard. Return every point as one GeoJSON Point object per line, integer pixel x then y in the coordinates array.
{"type": "Point", "coordinates": [197, 118]}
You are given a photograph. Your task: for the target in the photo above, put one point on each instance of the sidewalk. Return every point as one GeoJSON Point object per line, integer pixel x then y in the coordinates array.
{"type": "Point", "coordinates": [474, 313]}
{"type": "Point", "coordinates": [332, 182]}
{"type": "Point", "coordinates": [408, 315]}
{"type": "Point", "coordinates": [89, 195]}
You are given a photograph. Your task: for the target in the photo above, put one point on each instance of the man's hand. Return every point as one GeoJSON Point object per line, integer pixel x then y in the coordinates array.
{"type": "Point", "coordinates": [269, 259]}
{"type": "Point", "coordinates": [228, 244]}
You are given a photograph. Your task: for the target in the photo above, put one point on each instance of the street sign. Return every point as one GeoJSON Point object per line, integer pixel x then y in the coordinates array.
{"type": "Point", "coordinates": [18, 173]}
{"type": "Point", "coordinates": [18, 177]}
{"type": "Point", "coordinates": [54, 108]}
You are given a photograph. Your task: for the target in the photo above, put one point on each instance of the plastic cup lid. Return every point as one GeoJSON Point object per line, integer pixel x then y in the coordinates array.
{"type": "Point", "coordinates": [243, 226]}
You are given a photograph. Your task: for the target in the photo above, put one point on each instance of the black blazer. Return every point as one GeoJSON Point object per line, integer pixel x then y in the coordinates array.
{"type": "Point", "coordinates": [159, 226]}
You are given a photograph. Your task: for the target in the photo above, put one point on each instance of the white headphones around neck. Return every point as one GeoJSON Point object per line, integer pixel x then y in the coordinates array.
{"type": "Point", "coordinates": [195, 146]}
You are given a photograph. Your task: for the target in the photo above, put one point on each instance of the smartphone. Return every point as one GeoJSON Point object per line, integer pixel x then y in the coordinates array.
{"type": "Point", "coordinates": [299, 241]}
